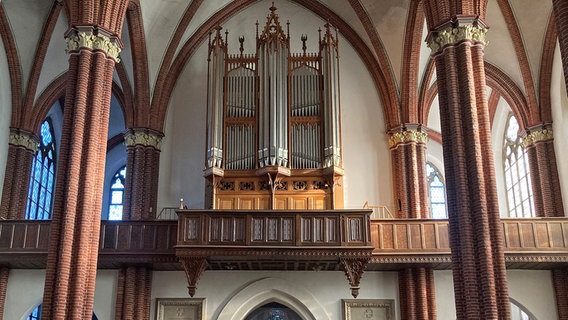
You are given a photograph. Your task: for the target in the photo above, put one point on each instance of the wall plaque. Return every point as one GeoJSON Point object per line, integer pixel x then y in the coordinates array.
{"type": "Point", "coordinates": [368, 309]}
{"type": "Point", "coordinates": [180, 309]}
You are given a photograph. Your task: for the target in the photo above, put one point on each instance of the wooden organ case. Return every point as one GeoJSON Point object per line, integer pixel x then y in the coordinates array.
{"type": "Point", "coordinates": [273, 123]}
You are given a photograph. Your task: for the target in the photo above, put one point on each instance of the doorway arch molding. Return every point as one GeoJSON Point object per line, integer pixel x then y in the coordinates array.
{"type": "Point", "coordinates": [270, 289]}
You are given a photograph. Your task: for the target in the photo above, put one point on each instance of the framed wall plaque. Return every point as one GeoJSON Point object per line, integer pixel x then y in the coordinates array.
{"type": "Point", "coordinates": [368, 309]}
{"type": "Point", "coordinates": [180, 309]}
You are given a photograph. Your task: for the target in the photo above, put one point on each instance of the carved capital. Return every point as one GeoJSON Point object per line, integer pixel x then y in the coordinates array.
{"type": "Point", "coordinates": [534, 135]}
{"type": "Point", "coordinates": [354, 268]}
{"type": "Point", "coordinates": [143, 137]}
{"type": "Point", "coordinates": [193, 267]}
{"type": "Point", "coordinates": [94, 39]}
{"type": "Point", "coordinates": [453, 35]}
{"type": "Point", "coordinates": [405, 134]}
{"type": "Point", "coordinates": [23, 139]}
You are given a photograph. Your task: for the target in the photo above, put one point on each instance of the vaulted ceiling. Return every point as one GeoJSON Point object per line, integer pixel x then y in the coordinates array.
{"type": "Point", "coordinates": [389, 36]}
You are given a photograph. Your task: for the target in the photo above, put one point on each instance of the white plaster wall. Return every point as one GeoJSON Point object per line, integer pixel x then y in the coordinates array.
{"type": "Point", "coordinates": [559, 102]}
{"type": "Point", "coordinates": [534, 290]}
{"type": "Point", "coordinates": [320, 292]}
{"type": "Point", "coordinates": [366, 156]}
{"type": "Point", "coordinates": [435, 155]}
{"type": "Point", "coordinates": [445, 300]}
{"type": "Point", "coordinates": [25, 293]}
{"type": "Point", "coordinates": [5, 112]}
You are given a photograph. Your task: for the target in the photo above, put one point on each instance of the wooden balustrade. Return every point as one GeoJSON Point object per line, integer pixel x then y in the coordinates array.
{"type": "Point", "coordinates": [528, 243]}
{"type": "Point", "coordinates": [270, 228]}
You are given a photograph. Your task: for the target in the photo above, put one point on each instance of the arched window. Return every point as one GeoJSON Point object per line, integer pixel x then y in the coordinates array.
{"type": "Point", "coordinates": [40, 193]}
{"type": "Point", "coordinates": [117, 195]}
{"type": "Point", "coordinates": [36, 314]}
{"type": "Point", "coordinates": [437, 191]}
{"type": "Point", "coordinates": [517, 181]}
{"type": "Point", "coordinates": [273, 311]}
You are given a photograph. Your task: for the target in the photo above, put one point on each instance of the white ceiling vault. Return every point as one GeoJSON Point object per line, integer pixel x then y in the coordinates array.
{"type": "Point", "coordinates": [375, 29]}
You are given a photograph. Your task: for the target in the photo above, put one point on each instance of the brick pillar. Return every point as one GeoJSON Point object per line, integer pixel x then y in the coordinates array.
{"type": "Point", "coordinates": [22, 147]}
{"type": "Point", "coordinates": [560, 10]}
{"type": "Point", "coordinates": [133, 294]}
{"type": "Point", "coordinates": [142, 169]}
{"type": "Point", "coordinates": [457, 40]}
{"type": "Point", "coordinates": [408, 151]}
{"type": "Point", "coordinates": [73, 244]}
{"type": "Point", "coordinates": [547, 196]}
{"type": "Point", "coordinates": [4, 273]}
{"type": "Point", "coordinates": [560, 283]}
{"type": "Point", "coordinates": [417, 294]}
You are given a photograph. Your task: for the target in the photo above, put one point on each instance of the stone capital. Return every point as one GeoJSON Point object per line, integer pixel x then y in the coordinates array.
{"type": "Point", "coordinates": [407, 133]}
{"type": "Point", "coordinates": [453, 35]}
{"type": "Point", "coordinates": [23, 139]}
{"type": "Point", "coordinates": [94, 39]}
{"type": "Point", "coordinates": [537, 134]}
{"type": "Point", "coordinates": [145, 137]}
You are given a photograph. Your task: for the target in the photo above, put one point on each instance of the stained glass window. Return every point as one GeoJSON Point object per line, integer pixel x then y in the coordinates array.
{"type": "Point", "coordinates": [116, 195]}
{"type": "Point", "coordinates": [517, 173]}
{"type": "Point", "coordinates": [42, 178]}
{"type": "Point", "coordinates": [273, 311]}
{"type": "Point", "coordinates": [437, 192]}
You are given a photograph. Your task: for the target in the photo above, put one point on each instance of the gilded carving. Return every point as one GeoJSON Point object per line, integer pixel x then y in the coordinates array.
{"type": "Point", "coordinates": [455, 35]}
{"type": "Point", "coordinates": [23, 139]}
{"type": "Point", "coordinates": [96, 42]}
{"type": "Point", "coordinates": [143, 137]}
{"type": "Point", "coordinates": [405, 136]}
{"type": "Point", "coordinates": [536, 136]}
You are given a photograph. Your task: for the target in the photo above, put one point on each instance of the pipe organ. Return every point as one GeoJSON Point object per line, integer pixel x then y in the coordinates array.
{"type": "Point", "coordinates": [273, 123]}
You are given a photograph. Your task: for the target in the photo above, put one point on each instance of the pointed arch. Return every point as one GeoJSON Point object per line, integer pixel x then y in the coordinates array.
{"type": "Point", "coordinates": [168, 75]}
{"type": "Point", "coordinates": [270, 289]}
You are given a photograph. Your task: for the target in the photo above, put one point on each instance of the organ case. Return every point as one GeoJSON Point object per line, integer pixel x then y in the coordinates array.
{"type": "Point", "coordinates": [273, 123]}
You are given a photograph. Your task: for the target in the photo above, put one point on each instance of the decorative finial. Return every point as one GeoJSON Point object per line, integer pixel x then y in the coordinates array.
{"type": "Point", "coordinates": [241, 41]}
{"type": "Point", "coordinates": [272, 8]}
{"type": "Point", "coordinates": [304, 38]}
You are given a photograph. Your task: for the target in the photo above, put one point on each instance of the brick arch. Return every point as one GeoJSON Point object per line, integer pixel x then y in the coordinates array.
{"type": "Point", "coordinates": [522, 58]}
{"type": "Point", "coordinates": [497, 80]}
{"type": "Point", "coordinates": [411, 59]}
{"type": "Point", "coordinates": [55, 91]}
{"type": "Point", "coordinates": [167, 77]}
{"type": "Point", "coordinates": [140, 117]}
{"type": "Point", "coordinates": [545, 110]}
{"type": "Point", "coordinates": [392, 111]}
{"type": "Point", "coordinates": [13, 68]}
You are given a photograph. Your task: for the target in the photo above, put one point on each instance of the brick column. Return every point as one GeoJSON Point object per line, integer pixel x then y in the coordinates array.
{"type": "Point", "coordinates": [22, 147]}
{"type": "Point", "coordinates": [408, 152]}
{"type": "Point", "coordinates": [560, 11]}
{"type": "Point", "coordinates": [4, 273]}
{"type": "Point", "coordinates": [142, 170]}
{"type": "Point", "coordinates": [73, 244]}
{"type": "Point", "coordinates": [547, 196]}
{"type": "Point", "coordinates": [133, 294]}
{"type": "Point", "coordinates": [560, 283]}
{"type": "Point", "coordinates": [457, 40]}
